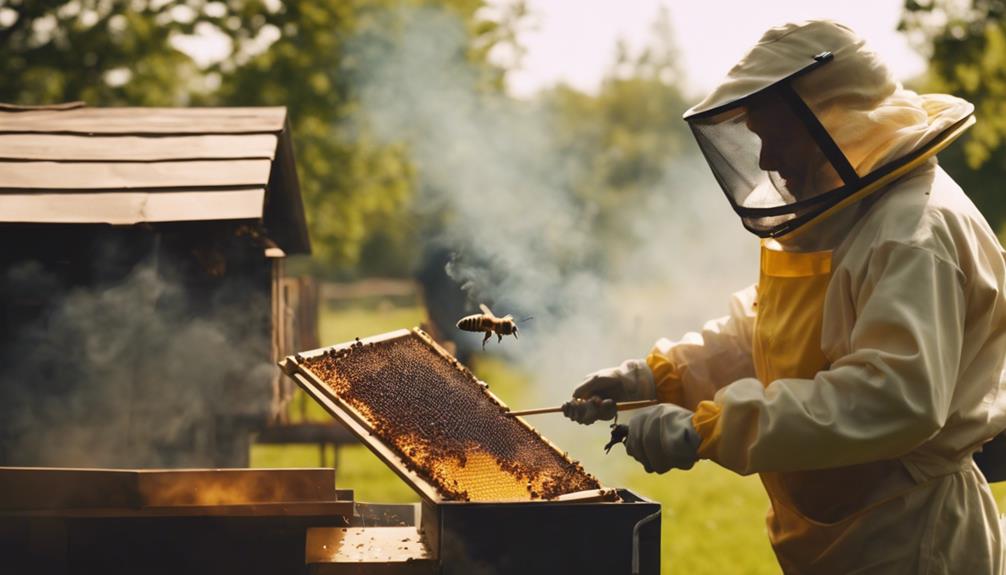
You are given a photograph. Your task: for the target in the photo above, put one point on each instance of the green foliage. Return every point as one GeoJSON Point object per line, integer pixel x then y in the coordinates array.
{"type": "Point", "coordinates": [616, 145]}
{"type": "Point", "coordinates": [966, 44]}
{"type": "Point", "coordinates": [103, 52]}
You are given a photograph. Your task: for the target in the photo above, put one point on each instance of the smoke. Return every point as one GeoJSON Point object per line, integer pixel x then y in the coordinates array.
{"type": "Point", "coordinates": [129, 373]}
{"type": "Point", "coordinates": [525, 242]}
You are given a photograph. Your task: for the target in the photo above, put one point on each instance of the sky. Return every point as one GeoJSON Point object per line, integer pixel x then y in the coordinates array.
{"type": "Point", "coordinates": [573, 41]}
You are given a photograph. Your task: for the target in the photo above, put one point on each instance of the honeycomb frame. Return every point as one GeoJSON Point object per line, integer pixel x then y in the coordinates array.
{"type": "Point", "coordinates": [304, 368]}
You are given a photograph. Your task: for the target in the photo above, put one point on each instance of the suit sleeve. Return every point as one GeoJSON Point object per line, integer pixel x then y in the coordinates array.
{"type": "Point", "coordinates": [694, 368]}
{"type": "Point", "coordinates": [887, 395]}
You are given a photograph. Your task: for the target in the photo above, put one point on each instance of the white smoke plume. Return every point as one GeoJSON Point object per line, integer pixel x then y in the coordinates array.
{"type": "Point", "coordinates": [126, 375]}
{"type": "Point", "coordinates": [526, 242]}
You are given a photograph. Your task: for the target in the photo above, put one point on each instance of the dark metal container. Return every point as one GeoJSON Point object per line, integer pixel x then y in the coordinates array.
{"type": "Point", "coordinates": [570, 537]}
{"type": "Point", "coordinates": [588, 537]}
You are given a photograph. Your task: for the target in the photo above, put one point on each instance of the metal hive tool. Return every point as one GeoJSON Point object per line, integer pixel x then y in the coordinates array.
{"type": "Point", "coordinates": [435, 424]}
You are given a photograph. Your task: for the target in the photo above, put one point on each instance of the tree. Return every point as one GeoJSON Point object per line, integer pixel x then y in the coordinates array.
{"type": "Point", "coordinates": [617, 144]}
{"type": "Point", "coordinates": [966, 45]}
{"type": "Point", "coordinates": [101, 52]}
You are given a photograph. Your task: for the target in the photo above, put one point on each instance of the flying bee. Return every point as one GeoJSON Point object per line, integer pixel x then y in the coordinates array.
{"type": "Point", "coordinates": [489, 323]}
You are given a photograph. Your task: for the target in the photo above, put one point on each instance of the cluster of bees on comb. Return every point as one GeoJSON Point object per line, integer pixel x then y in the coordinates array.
{"type": "Point", "coordinates": [446, 427]}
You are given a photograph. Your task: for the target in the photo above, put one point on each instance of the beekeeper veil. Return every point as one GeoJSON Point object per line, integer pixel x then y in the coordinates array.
{"type": "Point", "coordinates": [811, 120]}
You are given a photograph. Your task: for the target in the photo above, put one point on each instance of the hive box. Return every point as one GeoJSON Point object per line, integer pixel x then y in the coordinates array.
{"type": "Point", "coordinates": [594, 530]}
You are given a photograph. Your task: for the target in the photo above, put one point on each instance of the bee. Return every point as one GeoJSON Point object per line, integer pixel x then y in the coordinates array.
{"type": "Point", "coordinates": [489, 323]}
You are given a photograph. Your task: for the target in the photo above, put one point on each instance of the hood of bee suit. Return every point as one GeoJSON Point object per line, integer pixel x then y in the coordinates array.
{"type": "Point", "coordinates": [872, 118]}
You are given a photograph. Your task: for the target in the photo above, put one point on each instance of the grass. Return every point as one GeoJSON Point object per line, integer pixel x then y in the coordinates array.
{"type": "Point", "coordinates": [339, 324]}
{"type": "Point", "coordinates": [713, 519]}
{"type": "Point", "coordinates": [356, 468]}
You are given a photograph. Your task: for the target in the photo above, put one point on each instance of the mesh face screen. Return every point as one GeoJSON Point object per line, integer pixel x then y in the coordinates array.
{"type": "Point", "coordinates": [434, 413]}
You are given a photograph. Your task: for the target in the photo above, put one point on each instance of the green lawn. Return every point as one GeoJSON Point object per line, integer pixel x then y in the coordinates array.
{"type": "Point", "coordinates": [713, 520]}
{"type": "Point", "coordinates": [337, 325]}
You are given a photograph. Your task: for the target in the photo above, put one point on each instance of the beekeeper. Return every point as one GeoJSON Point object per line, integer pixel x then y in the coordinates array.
{"type": "Point", "coordinates": [863, 370]}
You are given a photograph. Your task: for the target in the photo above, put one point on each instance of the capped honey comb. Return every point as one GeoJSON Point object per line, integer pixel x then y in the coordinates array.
{"type": "Point", "coordinates": [444, 425]}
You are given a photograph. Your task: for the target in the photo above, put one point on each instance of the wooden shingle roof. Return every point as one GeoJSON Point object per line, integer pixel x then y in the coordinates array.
{"type": "Point", "coordinates": [122, 166]}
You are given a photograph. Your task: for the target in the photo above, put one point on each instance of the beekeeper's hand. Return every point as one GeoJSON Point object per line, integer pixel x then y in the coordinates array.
{"type": "Point", "coordinates": [595, 398]}
{"type": "Point", "coordinates": [663, 438]}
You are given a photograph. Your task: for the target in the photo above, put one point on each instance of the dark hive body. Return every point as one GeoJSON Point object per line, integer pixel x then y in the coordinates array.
{"type": "Point", "coordinates": [445, 426]}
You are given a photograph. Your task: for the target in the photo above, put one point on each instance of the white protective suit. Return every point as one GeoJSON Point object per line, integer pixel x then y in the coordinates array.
{"type": "Point", "coordinates": [877, 444]}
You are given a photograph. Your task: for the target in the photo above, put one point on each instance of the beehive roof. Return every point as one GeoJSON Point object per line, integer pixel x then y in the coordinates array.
{"type": "Point", "coordinates": [72, 164]}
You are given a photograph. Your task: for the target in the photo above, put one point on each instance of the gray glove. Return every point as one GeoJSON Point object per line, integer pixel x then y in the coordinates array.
{"type": "Point", "coordinates": [595, 398]}
{"type": "Point", "coordinates": [663, 438]}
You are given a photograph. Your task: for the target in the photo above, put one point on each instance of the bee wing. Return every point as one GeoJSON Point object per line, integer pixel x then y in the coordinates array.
{"type": "Point", "coordinates": [485, 309]}
{"type": "Point", "coordinates": [507, 317]}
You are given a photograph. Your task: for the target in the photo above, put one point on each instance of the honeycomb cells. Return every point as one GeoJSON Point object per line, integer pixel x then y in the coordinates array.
{"type": "Point", "coordinates": [432, 411]}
